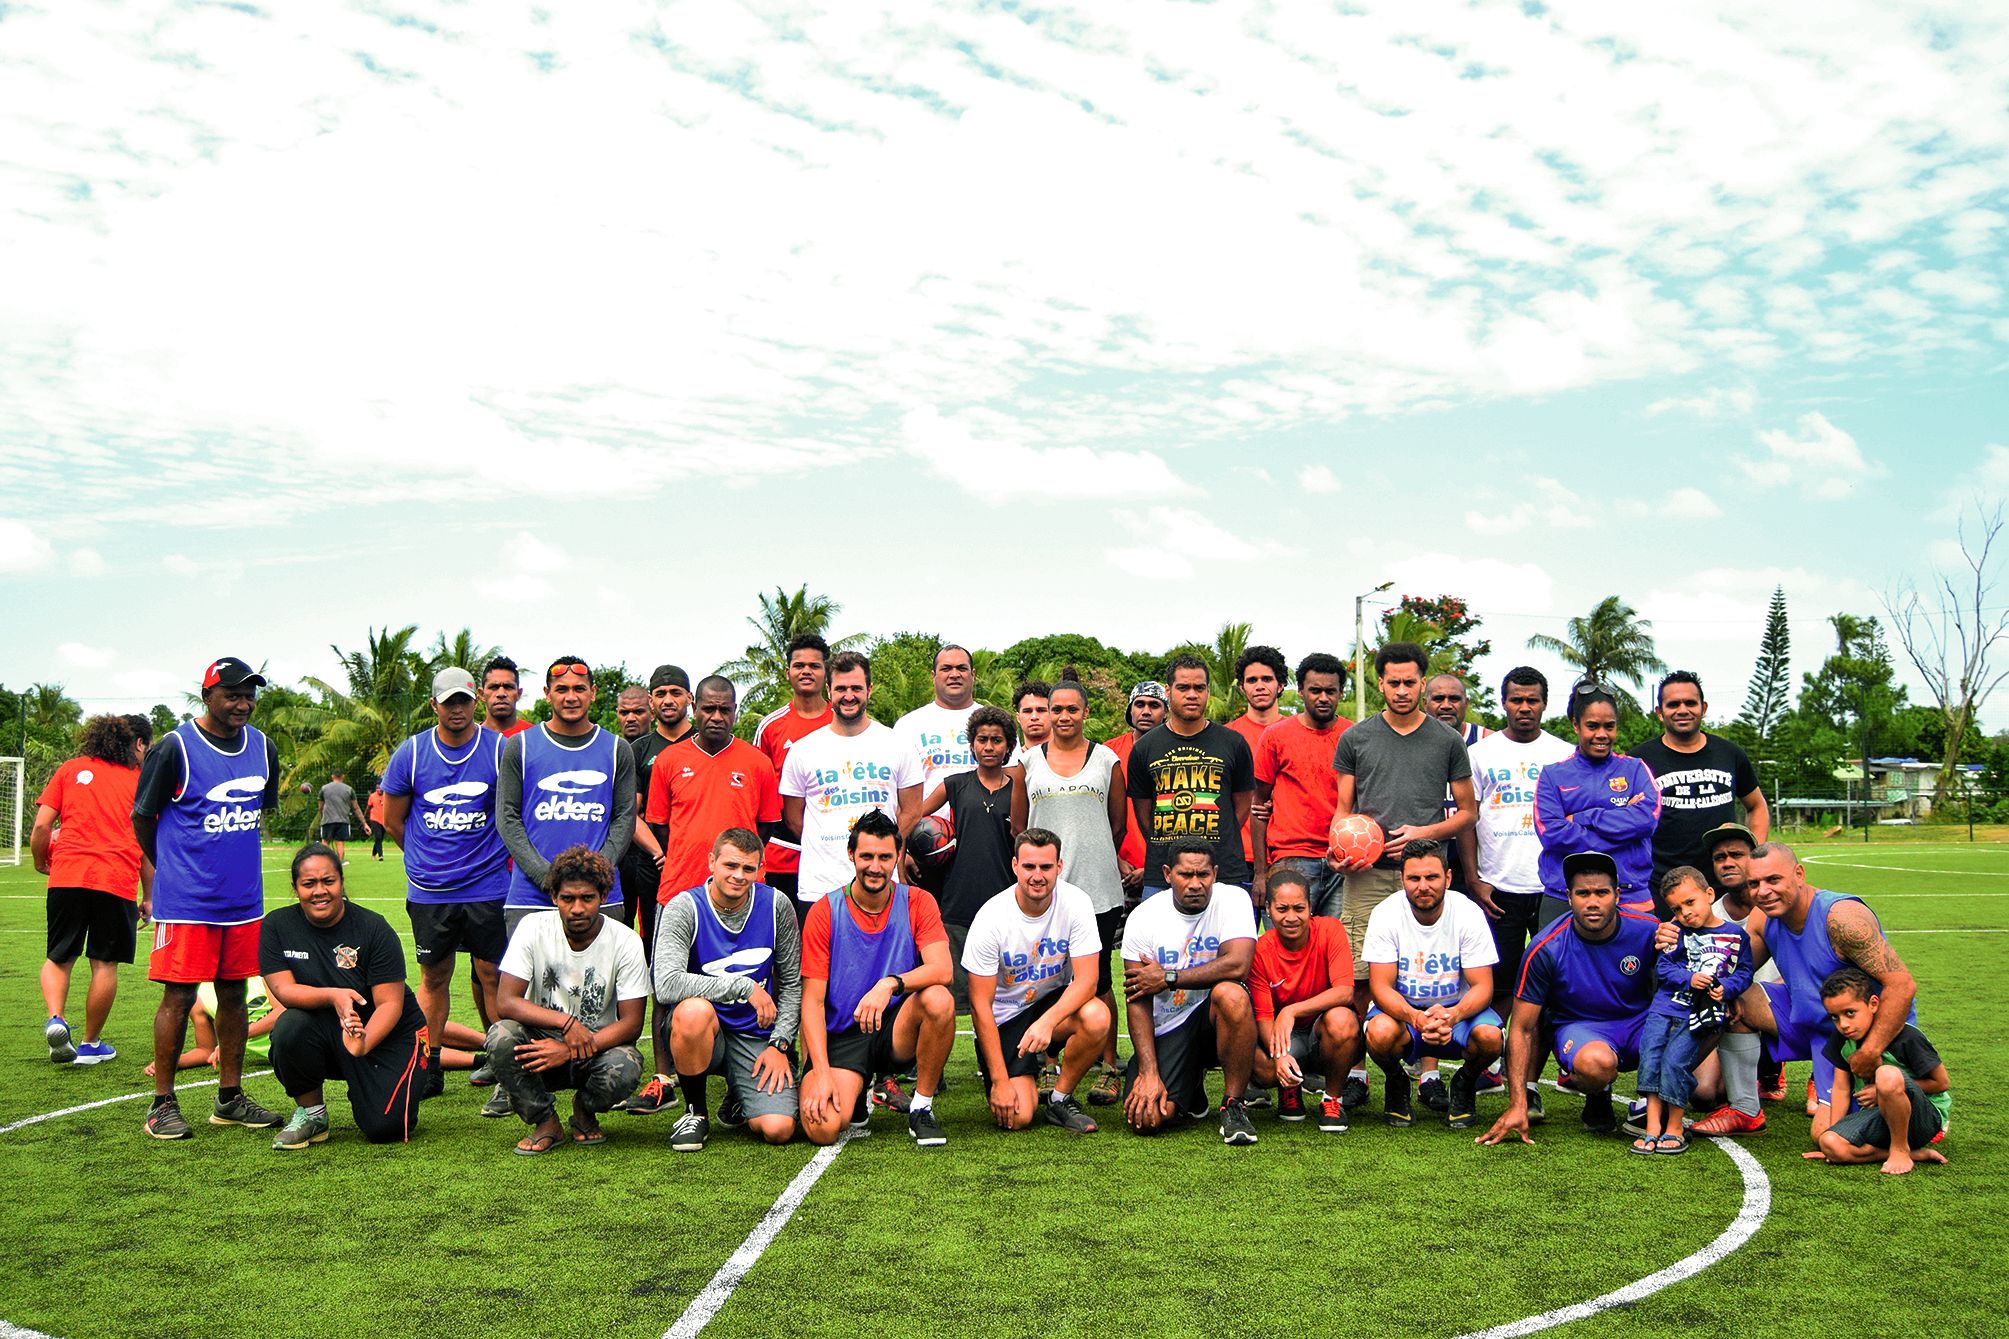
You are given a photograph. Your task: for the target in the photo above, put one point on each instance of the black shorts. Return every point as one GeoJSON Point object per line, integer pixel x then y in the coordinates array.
{"type": "Point", "coordinates": [334, 832]}
{"type": "Point", "coordinates": [1109, 929]}
{"type": "Point", "coordinates": [101, 926]}
{"type": "Point", "coordinates": [441, 929]}
{"type": "Point", "coordinates": [959, 980]}
{"type": "Point", "coordinates": [1185, 1054]}
{"type": "Point", "coordinates": [646, 911]}
{"type": "Point", "coordinates": [1009, 1034]}
{"type": "Point", "coordinates": [782, 883]}
{"type": "Point", "coordinates": [868, 1053]}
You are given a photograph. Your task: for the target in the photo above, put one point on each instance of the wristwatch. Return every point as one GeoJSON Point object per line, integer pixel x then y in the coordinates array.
{"type": "Point", "coordinates": [1172, 978]}
{"type": "Point", "coordinates": [899, 986]}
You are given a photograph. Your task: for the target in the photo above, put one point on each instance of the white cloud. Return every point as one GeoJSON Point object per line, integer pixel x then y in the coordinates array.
{"type": "Point", "coordinates": [1689, 504]}
{"type": "Point", "coordinates": [1001, 469]}
{"type": "Point", "coordinates": [21, 549]}
{"type": "Point", "coordinates": [1318, 479]}
{"type": "Point", "coordinates": [180, 565]}
{"type": "Point", "coordinates": [86, 562]}
{"type": "Point", "coordinates": [1716, 402]}
{"type": "Point", "coordinates": [1818, 458]}
{"type": "Point", "coordinates": [1547, 504]}
{"type": "Point", "coordinates": [85, 657]}
{"type": "Point", "coordinates": [531, 567]}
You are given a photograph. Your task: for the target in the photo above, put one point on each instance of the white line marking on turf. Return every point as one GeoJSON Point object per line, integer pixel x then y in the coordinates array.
{"type": "Point", "coordinates": [1909, 869]}
{"type": "Point", "coordinates": [1946, 932]}
{"type": "Point", "coordinates": [720, 1290]}
{"type": "Point", "coordinates": [1757, 1204]}
{"type": "Point", "coordinates": [16, 1332]}
{"type": "Point", "coordinates": [106, 1102]}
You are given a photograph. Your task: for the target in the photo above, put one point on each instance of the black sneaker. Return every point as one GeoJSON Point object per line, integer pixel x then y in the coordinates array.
{"type": "Point", "coordinates": [888, 1093]}
{"type": "Point", "coordinates": [1395, 1109]}
{"type": "Point", "coordinates": [165, 1122]}
{"type": "Point", "coordinates": [1331, 1116]}
{"type": "Point", "coordinates": [1236, 1127]}
{"type": "Point", "coordinates": [861, 1113]}
{"type": "Point", "coordinates": [1353, 1093]}
{"type": "Point", "coordinates": [688, 1135]}
{"type": "Point", "coordinates": [1068, 1115]}
{"type": "Point", "coordinates": [924, 1129]}
{"type": "Point", "coordinates": [1464, 1095]}
{"type": "Point", "coordinates": [483, 1073]}
{"type": "Point", "coordinates": [1598, 1116]}
{"type": "Point", "coordinates": [241, 1110]}
{"type": "Point", "coordinates": [434, 1083]}
{"type": "Point", "coordinates": [658, 1094]}
{"type": "Point", "coordinates": [1290, 1104]}
{"type": "Point", "coordinates": [731, 1112]}
{"type": "Point", "coordinates": [1430, 1092]}
{"type": "Point", "coordinates": [1536, 1112]}
{"type": "Point", "coordinates": [1258, 1099]}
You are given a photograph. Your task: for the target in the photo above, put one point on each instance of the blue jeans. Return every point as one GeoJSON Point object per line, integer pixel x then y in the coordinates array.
{"type": "Point", "coordinates": [1327, 885]}
{"type": "Point", "coordinates": [1668, 1052]}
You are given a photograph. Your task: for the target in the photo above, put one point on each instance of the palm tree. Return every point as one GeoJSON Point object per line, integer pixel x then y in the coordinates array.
{"type": "Point", "coordinates": [1224, 698]}
{"type": "Point", "coordinates": [461, 650]}
{"type": "Point", "coordinates": [761, 672]}
{"type": "Point", "coordinates": [1613, 644]}
{"type": "Point", "coordinates": [353, 728]}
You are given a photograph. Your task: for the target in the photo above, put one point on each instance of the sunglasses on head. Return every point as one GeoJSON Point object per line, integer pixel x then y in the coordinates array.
{"type": "Point", "coordinates": [1585, 687]}
{"type": "Point", "coordinates": [568, 667]}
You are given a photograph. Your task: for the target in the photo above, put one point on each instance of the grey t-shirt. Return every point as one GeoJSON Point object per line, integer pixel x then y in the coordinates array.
{"type": "Point", "coordinates": [1398, 779]}
{"type": "Point", "coordinates": [338, 798]}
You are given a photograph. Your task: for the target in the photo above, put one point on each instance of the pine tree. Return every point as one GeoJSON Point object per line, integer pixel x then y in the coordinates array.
{"type": "Point", "coordinates": [1771, 679]}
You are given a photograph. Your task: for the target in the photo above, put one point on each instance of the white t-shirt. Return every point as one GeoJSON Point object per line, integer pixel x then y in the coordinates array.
{"type": "Point", "coordinates": [838, 779]}
{"type": "Point", "coordinates": [1503, 780]}
{"type": "Point", "coordinates": [941, 737]}
{"type": "Point", "coordinates": [1158, 930]}
{"type": "Point", "coordinates": [1430, 960]}
{"type": "Point", "coordinates": [588, 985]}
{"type": "Point", "coordinates": [1029, 955]}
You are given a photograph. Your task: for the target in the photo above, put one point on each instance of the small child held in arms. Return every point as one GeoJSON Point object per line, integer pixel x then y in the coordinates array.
{"type": "Point", "coordinates": [1907, 1105]}
{"type": "Point", "coordinates": [1709, 964]}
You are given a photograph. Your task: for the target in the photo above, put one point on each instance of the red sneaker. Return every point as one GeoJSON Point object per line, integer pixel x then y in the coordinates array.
{"type": "Point", "coordinates": [1728, 1120]}
{"type": "Point", "coordinates": [1813, 1104]}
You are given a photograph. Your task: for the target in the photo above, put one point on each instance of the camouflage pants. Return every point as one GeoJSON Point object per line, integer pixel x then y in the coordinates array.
{"type": "Point", "coordinates": [602, 1081]}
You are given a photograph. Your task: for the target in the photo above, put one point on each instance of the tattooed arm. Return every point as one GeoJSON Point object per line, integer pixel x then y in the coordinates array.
{"type": "Point", "coordinates": [1853, 932]}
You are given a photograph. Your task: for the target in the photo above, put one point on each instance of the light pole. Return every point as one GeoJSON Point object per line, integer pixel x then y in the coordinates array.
{"type": "Point", "coordinates": [1360, 651]}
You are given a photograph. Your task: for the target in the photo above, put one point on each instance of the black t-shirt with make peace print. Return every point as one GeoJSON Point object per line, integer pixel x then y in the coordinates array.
{"type": "Point", "coordinates": [1192, 781]}
{"type": "Point", "coordinates": [355, 953]}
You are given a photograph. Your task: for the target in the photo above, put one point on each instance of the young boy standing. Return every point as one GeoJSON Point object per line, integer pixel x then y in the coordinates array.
{"type": "Point", "coordinates": [1906, 1107]}
{"type": "Point", "coordinates": [1709, 963]}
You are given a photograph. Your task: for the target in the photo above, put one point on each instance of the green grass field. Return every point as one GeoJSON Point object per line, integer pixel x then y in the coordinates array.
{"type": "Point", "coordinates": [1373, 1232]}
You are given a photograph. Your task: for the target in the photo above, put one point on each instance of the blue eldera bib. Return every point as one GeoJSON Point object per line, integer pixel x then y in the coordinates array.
{"type": "Point", "coordinates": [718, 952]}
{"type": "Point", "coordinates": [568, 800]}
{"type": "Point", "coordinates": [207, 843]}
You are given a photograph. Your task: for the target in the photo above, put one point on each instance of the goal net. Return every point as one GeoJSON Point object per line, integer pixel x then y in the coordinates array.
{"type": "Point", "coordinates": [13, 809]}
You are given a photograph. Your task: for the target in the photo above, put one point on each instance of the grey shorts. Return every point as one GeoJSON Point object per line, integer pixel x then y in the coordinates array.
{"type": "Point", "coordinates": [733, 1054]}
{"type": "Point", "coordinates": [1304, 1044]}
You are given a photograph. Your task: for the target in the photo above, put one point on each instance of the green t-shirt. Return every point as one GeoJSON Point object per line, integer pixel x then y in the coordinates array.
{"type": "Point", "coordinates": [1910, 1052]}
{"type": "Point", "coordinates": [257, 1004]}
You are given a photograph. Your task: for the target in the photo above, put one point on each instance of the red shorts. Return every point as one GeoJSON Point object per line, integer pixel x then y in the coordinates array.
{"type": "Point", "coordinates": [187, 954]}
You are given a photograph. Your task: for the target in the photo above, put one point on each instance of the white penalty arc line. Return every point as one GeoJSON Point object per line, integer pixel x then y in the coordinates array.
{"type": "Point", "coordinates": [106, 1102]}
{"type": "Point", "coordinates": [720, 1290]}
{"type": "Point", "coordinates": [1750, 1217]}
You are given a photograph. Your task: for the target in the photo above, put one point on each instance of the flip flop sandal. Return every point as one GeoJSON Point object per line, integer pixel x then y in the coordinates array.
{"type": "Point", "coordinates": [586, 1135]}
{"type": "Point", "coordinates": [537, 1145]}
{"type": "Point", "coordinates": [1672, 1144]}
{"type": "Point", "coordinates": [1647, 1144]}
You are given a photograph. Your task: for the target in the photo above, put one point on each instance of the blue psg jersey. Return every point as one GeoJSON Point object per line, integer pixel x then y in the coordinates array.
{"type": "Point", "coordinates": [1575, 979]}
{"type": "Point", "coordinates": [206, 870]}
{"type": "Point", "coordinates": [568, 800]}
{"type": "Point", "coordinates": [453, 849]}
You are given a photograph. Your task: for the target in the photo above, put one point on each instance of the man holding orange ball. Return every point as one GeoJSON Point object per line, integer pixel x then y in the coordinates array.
{"type": "Point", "coordinates": [1393, 769]}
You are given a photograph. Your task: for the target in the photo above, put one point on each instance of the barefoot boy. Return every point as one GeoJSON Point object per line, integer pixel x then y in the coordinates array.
{"type": "Point", "coordinates": [1908, 1104]}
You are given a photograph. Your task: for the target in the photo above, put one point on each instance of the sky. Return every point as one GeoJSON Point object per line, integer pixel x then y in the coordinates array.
{"type": "Point", "coordinates": [581, 326]}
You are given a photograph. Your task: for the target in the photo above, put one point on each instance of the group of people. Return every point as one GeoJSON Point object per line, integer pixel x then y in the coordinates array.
{"type": "Point", "coordinates": [811, 911]}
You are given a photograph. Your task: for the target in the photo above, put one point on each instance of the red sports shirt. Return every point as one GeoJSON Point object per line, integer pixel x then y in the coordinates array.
{"type": "Point", "coordinates": [1252, 733]}
{"type": "Point", "coordinates": [1278, 978]}
{"type": "Point", "coordinates": [698, 796]}
{"type": "Point", "coordinates": [1132, 849]}
{"type": "Point", "coordinates": [95, 847]}
{"type": "Point", "coordinates": [775, 736]}
{"type": "Point", "coordinates": [1304, 790]}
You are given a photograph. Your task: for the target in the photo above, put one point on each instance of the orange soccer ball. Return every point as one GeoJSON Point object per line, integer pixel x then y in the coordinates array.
{"type": "Point", "coordinates": [1357, 842]}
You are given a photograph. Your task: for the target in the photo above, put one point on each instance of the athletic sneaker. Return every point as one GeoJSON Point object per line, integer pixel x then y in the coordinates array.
{"type": "Point", "coordinates": [57, 1033]}
{"type": "Point", "coordinates": [1464, 1097]}
{"type": "Point", "coordinates": [861, 1114]}
{"type": "Point", "coordinates": [654, 1096]}
{"type": "Point", "coordinates": [1353, 1093]}
{"type": "Point", "coordinates": [96, 1052]}
{"type": "Point", "coordinates": [1068, 1115]}
{"type": "Point", "coordinates": [1431, 1093]}
{"type": "Point", "coordinates": [1537, 1113]}
{"type": "Point", "coordinates": [1635, 1119]}
{"type": "Point", "coordinates": [1566, 1083]}
{"type": "Point", "coordinates": [483, 1073]}
{"type": "Point", "coordinates": [1331, 1116]}
{"type": "Point", "coordinates": [1108, 1087]}
{"type": "Point", "coordinates": [434, 1083]}
{"type": "Point", "coordinates": [924, 1129]}
{"type": "Point", "coordinates": [165, 1122]}
{"type": "Point", "coordinates": [241, 1110]}
{"type": "Point", "coordinates": [688, 1135]}
{"type": "Point", "coordinates": [731, 1112]}
{"type": "Point", "coordinates": [1395, 1109]}
{"type": "Point", "coordinates": [1598, 1116]}
{"type": "Point", "coordinates": [498, 1104]}
{"type": "Point", "coordinates": [1049, 1079]}
{"type": "Point", "coordinates": [887, 1093]}
{"type": "Point", "coordinates": [1290, 1103]}
{"type": "Point", "coordinates": [1490, 1081]}
{"type": "Point", "coordinates": [1771, 1081]}
{"type": "Point", "coordinates": [1728, 1120]}
{"type": "Point", "coordinates": [1236, 1127]}
{"type": "Point", "coordinates": [301, 1130]}
{"type": "Point", "coordinates": [1258, 1099]}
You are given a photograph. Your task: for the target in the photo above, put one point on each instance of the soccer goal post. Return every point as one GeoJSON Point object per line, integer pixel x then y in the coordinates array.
{"type": "Point", "coordinates": [13, 809]}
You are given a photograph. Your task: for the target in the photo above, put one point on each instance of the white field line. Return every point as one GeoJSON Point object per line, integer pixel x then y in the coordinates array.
{"type": "Point", "coordinates": [106, 1102]}
{"type": "Point", "coordinates": [1750, 1217]}
{"type": "Point", "coordinates": [720, 1290]}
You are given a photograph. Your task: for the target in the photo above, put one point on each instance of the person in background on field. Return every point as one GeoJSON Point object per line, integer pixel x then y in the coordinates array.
{"type": "Point", "coordinates": [987, 808]}
{"type": "Point", "coordinates": [100, 886]}
{"type": "Point", "coordinates": [1597, 799]}
{"type": "Point", "coordinates": [1906, 1106]}
{"type": "Point", "coordinates": [1144, 712]}
{"type": "Point", "coordinates": [339, 972]}
{"type": "Point", "coordinates": [1076, 790]}
{"type": "Point", "coordinates": [573, 985]}
{"type": "Point", "coordinates": [202, 791]}
{"type": "Point", "coordinates": [1702, 779]}
{"type": "Point", "coordinates": [338, 801]}
{"type": "Point", "coordinates": [1301, 982]}
{"type": "Point", "coordinates": [375, 812]}
{"type": "Point", "coordinates": [1262, 676]}
{"type": "Point", "coordinates": [668, 722]}
{"type": "Point", "coordinates": [1446, 697]}
{"type": "Point", "coordinates": [807, 711]}
{"type": "Point", "coordinates": [1702, 973]}
{"type": "Point", "coordinates": [501, 689]}
{"type": "Point", "coordinates": [1394, 767]}
{"type": "Point", "coordinates": [938, 730]}
{"type": "Point", "coordinates": [1296, 788]}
